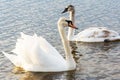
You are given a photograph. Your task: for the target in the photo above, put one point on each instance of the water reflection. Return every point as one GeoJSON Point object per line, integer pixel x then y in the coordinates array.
{"type": "Point", "coordinates": [74, 51]}
{"type": "Point", "coordinates": [70, 75]}
{"type": "Point", "coordinates": [93, 47]}
{"type": "Point", "coordinates": [99, 60]}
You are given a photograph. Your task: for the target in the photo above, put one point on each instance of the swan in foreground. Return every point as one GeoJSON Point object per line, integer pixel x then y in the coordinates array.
{"type": "Point", "coordinates": [33, 53]}
{"type": "Point", "coordinates": [92, 34]}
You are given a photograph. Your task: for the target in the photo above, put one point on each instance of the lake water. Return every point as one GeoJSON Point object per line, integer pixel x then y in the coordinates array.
{"type": "Point", "coordinates": [95, 61]}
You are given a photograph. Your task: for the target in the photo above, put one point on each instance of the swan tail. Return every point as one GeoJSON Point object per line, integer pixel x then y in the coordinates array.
{"type": "Point", "coordinates": [13, 58]}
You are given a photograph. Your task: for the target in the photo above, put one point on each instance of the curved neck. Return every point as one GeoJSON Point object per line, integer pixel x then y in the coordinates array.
{"type": "Point", "coordinates": [71, 30]}
{"type": "Point", "coordinates": [69, 57]}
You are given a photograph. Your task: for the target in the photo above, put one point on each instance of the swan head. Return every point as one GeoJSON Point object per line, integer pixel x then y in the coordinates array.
{"type": "Point", "coordinates": [63, 22]}
{"type": "Point", "coordinates": [69, 8]}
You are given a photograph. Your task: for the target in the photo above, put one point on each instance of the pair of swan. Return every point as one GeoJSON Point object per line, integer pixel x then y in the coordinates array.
{"type": "Point", "coordinates": [92, 34]}
{"type": "Point", "coordinates": [33, 53]}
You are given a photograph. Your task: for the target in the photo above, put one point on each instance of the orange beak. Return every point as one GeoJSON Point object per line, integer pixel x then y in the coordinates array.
{"type": "Point", "coordinates": [72, 26]}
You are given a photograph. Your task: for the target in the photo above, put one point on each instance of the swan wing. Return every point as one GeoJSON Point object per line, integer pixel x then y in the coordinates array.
{"type": "Point", "coordinates": [13, 58]}
{"type": "Point", "coordinates": [27, 41]}
{"type": "Point", "coordinates": [42, 61]}
{"type": "Point", "coordinates": [48, 48]}
{"type": "Point", "coordinates": [38, 54]}
{"type": "Point", "coordinates": [45, 48]}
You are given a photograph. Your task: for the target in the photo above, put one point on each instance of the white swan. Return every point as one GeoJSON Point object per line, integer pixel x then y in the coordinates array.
{"type": "Point", "coordinates": [93, 34]}
{"type": "Point", "coordinates": [33, 53]}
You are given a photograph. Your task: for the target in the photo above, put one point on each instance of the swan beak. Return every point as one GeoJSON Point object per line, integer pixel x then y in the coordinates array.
{"type": "Point", "coordinates": [72, 26]}
{"type": "Point", "coordinates": [65, 10]}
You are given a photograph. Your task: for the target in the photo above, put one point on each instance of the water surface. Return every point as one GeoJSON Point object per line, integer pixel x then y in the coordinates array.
{"type": "Point", "coordinates": [95, 61]}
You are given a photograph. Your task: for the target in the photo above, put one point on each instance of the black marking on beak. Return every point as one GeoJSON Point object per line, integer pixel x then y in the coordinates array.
{"type": "Point", "coordinates": [68, 21]}
{"type": "Point", "coordinates": [70, 24]}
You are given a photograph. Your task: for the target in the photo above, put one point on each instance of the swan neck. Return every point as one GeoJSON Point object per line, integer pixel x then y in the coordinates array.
{"type": "Point", "coordinates": [72, 15]}
{"type": "Point", "coordinates": [71, 30]}
{"type": "Point", "coordinates": [69, 57]}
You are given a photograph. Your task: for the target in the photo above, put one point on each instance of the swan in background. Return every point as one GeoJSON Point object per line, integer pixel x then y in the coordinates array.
{"type": "Point", "coordinates": [33, 53]}
{"type": "Point", "coordinates": [92, 34]}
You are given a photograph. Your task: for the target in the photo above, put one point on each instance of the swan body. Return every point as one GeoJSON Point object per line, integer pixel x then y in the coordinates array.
{"type": "Point", "coordinates": [33, 53]}
{"type": "Point", "coordinates": [93, 34]}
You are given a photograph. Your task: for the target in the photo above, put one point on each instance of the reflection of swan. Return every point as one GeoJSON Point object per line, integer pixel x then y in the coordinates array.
{"type": "Point", "coordinates": [67, 75]}
{"type": "Point", "coordinates": [40, 76]}
{"type": "Point", "coordinates": [93, 34]}
{"type": "Point", "coordinates": [35, 54]}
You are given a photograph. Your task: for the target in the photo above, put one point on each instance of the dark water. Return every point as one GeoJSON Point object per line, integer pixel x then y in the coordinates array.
{"type": "Point", "coordinates": [95, 61]}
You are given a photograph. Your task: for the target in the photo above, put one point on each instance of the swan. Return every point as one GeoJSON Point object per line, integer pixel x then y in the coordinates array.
{"type": "Point", "coordinates": [33, 53]}
{"type": "Point", "coordinates": [92, 34]}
